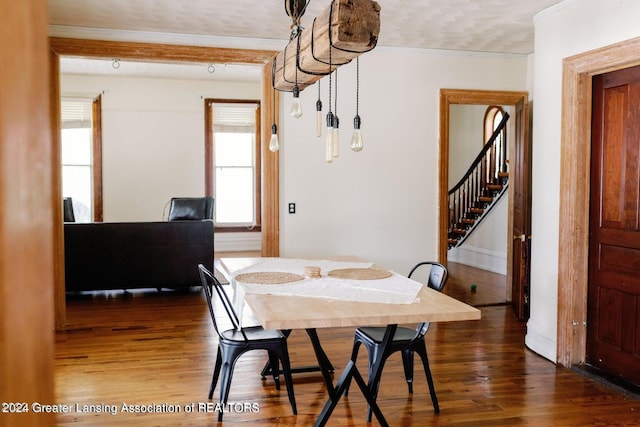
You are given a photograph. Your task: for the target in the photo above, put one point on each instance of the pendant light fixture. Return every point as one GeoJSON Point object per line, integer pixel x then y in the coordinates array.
{"type": "Point", "coordinates": [274, 144]}
{"type": "Point", "coordinates": [342, 32]}
{"type": "Point", "coordinates": [356, 139]}
{"type": "Point", "coordinates": [330, 121]}
{"type": "Point", "coordinates": [295, 9]}
{"type": "Point", "coordinates": [296, 106]}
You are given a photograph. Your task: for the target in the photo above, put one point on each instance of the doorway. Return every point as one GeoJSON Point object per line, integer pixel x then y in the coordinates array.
{"type": "Point", "coordinates": [613, 321]}
{"type": "Point", "coordinates": [573, 259]}
{"type": "Point", "coordinates": [519, 194]}
{"type": "Point", "coordinates": [167, 53]}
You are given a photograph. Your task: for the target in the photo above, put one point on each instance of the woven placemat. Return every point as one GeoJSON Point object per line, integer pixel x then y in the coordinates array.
{"type": "Point", "coordinates": [268, 277]}
{"type": "Point", "coordinates": [360, 273]}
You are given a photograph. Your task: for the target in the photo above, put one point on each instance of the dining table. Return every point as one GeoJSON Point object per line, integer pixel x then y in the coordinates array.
{"type": "Point", "coordinates": [336, 292]}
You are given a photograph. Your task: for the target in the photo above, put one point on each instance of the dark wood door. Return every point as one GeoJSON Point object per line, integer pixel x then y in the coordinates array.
{"type": "Point", "coordinates": [520, 171]}
{"type": "Point", "coordinates": [613, 318]}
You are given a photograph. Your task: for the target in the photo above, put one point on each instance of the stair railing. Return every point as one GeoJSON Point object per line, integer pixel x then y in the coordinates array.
{"type": "Point", "coordinates": [479, 187]}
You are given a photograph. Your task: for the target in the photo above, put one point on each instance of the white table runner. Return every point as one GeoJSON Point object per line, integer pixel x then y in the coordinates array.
{"type": "Point", "coordinates": [396, 289]}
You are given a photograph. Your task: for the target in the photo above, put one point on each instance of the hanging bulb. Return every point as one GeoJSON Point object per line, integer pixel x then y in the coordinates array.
{"type": "Point", "coordinates": [296, 106]}
{"type": "Point", "coordinates": [356, 140]}
{"type": "Point", "coordinates": [273, 143]}
{"type": "Point", "coordinates": [329, 140]}
{"type": "Point", "coordinates": [318, 118]}
{"type": "Point", "coordinates": [336, 137]}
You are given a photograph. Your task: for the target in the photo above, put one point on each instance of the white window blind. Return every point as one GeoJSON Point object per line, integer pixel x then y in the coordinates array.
{"type": "Point", "coordinates": [76, 113]}
{"type": "Point", "coordinates": [234, 118]}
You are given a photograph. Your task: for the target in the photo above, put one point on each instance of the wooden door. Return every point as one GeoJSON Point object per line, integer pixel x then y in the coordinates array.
{"type": "Point", "coordinates": [613, 316]}
{"type": "Point", "coordinates": [520, 179]}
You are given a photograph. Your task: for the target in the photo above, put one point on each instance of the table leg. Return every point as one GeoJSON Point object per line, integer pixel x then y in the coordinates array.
{"type": "Point", "coordinates": [323, 361]}
{"type": "Point", "coordinates": [351, 372]}
{"type": "Point", "coordinates": [324, 365]}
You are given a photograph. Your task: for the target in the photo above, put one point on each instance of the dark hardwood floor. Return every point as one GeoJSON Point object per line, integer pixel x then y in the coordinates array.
{"type": "Point", "coordinates": [150, 348]}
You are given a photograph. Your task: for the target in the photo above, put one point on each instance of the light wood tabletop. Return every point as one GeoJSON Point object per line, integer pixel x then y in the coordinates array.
{"type": "Point", "coordinates": [297, 312]}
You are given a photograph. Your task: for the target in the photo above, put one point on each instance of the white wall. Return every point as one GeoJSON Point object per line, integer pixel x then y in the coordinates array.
{"type": "Point", "coordinates": [570, 28]}
{"type": "Point", "coordinates": [466, 138]}
{"type": "Point", "coordinates": [153, 138]}
{"type": "Point", "coordinates": [381, 203]}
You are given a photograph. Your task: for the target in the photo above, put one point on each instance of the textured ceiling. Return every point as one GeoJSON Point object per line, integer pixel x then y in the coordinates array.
{"type": "Point", "coordinates": [500, 26]}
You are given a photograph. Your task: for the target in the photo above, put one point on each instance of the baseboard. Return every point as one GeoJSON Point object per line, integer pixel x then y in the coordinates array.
{"type": "Point", "coordinates": [484, 259]}
{"type": "Point", "coordinates": [237, 242]}
{"type": "Point", "coordinates": [540, 344]}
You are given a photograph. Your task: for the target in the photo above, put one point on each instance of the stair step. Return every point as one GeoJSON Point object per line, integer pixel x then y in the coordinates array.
{"type": "Point", "coordinates": [458, 231]}
{"type": "Point", "coordinates": [476, 211]}
{"type": "Point", "coordinates": [485, 199]}
{"type": "Point", "coordinates": [468, 221]}
{"type": "Point", "coordinates": [494, 187]}
{"type": "Point", "coordinates": [503, 174]}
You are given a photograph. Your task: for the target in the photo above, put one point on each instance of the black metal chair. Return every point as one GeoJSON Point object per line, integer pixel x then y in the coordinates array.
{"type": "Point", "coordinates": [236, 341]}
{"type": "Point", "coordinates": [406, 340]}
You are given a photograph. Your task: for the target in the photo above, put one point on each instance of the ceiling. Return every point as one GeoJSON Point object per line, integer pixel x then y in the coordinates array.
{"type": "Point", "coordinates": [495, 26]}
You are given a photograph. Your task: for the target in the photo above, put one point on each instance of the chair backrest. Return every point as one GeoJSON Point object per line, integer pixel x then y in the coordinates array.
{"type": "Point", "coordinates": [190, 208]}
{"type": "Point", "coordinates": [217, 296]}
{"type": "Point", "coordinates": [67, 209]}
{"type": "Point", "coordinates": [438, 276]}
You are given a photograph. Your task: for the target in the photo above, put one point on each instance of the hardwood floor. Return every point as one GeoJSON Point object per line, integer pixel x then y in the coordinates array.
{"type": "Point", "coordinates": [150, 348]}
{"type": "Point", "coordinates": [476, 287]}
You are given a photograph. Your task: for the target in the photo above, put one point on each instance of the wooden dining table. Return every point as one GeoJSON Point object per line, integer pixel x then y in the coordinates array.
{"type": "Point", "coordinates": [286, 311]}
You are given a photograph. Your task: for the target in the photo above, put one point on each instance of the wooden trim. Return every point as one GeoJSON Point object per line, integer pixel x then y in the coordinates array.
{"type": "Point", "coordinates": [30, 211]}
{"type": "Point", "coordinates": [573, 244]}
{"type": "Point", "coordinates": [157, 52]}
{"type": "Point", "coordinates": [60, 304]}
{"type": "Point", "coordinates": [271, 170]}
{"type": "Point", "coordinates": [469, 97]}
{"type": "Point", "coordinates": [258, 164]}
{"type": "Point", "coordinates": [209, 161]}
{"type": "Point", "coordinates": [174, 53]}
{"type": "Point", "coordinates": [97, 158]}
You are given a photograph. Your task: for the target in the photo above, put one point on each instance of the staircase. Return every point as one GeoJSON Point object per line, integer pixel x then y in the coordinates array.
{"type": "Point", "coordinates": [480, 188]}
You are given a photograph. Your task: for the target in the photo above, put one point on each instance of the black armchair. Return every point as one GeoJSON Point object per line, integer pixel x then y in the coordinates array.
{"type": "Point", "coordinates": [190, 208]}
{"type": "Point", "coordinates": [67, 209]}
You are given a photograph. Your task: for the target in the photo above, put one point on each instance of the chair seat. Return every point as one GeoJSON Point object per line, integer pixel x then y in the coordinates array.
{"type": "Point", "coordinates": [253, 333]}
{"type": "Point", "coordinates": [376, 334]}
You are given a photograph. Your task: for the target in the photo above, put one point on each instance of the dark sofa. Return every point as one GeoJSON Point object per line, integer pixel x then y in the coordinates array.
{"type": "Point", "coordinates": [129, 255]}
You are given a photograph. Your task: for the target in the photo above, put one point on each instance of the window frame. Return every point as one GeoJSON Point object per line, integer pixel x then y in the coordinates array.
{"type": "Point", "coordinates": [209, 159]}
{"type": "Point", "coordinates": [96, 153]}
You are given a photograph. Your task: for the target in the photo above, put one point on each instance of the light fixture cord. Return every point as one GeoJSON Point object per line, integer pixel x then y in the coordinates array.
{"type": "Point", "coordinates": [336, 94]}
{"type": "Point", "coordinates": [330, 72]}
{"type": "Point", "coordinates": [357, 83]}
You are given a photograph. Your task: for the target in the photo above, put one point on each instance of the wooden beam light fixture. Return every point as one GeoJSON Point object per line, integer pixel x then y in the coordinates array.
{"type": "Point", "coordinates": [342, 32]}
{"type": "Point", "coordinates": [345, 30]}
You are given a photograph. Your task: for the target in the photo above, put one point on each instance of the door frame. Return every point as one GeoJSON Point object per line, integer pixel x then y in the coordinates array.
{"type": "Point", "coordinates": [471, 97]}
{"type": "Point", "coordinates": [575, 151]}
{"type": "Point", "coordinates": [60, 46]}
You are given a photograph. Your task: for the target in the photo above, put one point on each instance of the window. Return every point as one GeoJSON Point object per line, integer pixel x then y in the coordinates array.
{"type": "Point", "coordinates": [492, 119]}
{"type": "Point", "coordinates": [232, 150]}
{"type": "Point", "coordinates": [80, 157]}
